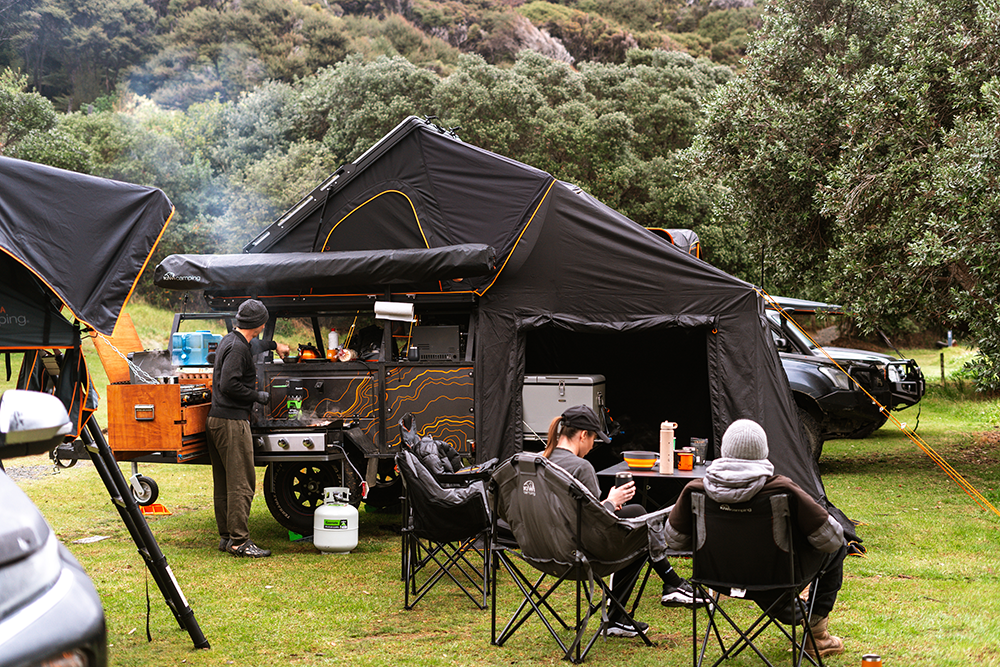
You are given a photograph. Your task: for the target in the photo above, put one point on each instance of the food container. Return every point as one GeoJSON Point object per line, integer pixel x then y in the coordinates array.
{"type": "Point", "coordinates": [640, 460]}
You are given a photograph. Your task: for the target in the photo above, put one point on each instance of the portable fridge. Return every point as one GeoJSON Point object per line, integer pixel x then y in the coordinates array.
{"type": "Point", "coordinates": [548, 396]}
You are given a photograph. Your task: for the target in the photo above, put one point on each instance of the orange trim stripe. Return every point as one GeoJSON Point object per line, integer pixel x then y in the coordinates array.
{"type": "Point", "coordinates": [385, 192]}
{"type": "Point", "coordinates": [519, 236]}
{"type": "Point", "coordinates": [135, 282]}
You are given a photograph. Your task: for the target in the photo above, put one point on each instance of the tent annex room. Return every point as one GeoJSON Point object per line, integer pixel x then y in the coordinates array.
{"type": "Point", "coordinates": [577, 288]}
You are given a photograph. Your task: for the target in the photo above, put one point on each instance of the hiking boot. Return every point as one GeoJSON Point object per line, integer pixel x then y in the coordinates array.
{"type": "Point", "coordinates": [682, 595]}
{"type": "Point", "coordinates": [247, 550]}
{"type": "Point", "coordinates": [224, 543]}
{"type": "Point", "coordinates": [826, 644]}
{"type": "Point", "coordinates": [624, 628]}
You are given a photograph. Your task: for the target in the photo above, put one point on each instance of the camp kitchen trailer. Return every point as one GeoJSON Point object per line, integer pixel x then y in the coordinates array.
{"type": "Point", "coordinates": [468, 279]}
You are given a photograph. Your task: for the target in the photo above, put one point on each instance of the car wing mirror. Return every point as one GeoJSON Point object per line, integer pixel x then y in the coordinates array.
{"type": "Point", "coordinates": [31, 423]}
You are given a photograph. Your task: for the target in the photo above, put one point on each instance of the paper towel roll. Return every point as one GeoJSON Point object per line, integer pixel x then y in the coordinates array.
{"type": "Point", "coordinates": [392, 310]}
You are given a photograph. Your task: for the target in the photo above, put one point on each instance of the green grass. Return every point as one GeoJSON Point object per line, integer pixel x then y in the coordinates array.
{"type": "Point", "coordinates": [927, 593]}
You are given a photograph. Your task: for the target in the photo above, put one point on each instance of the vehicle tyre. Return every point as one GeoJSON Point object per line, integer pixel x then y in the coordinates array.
{"type": "Point", "coordinates": [148, 491]}
{"type": "Point", "coordinates": [293, 491]}
{"type": "Point", "coordinates": [863, 433]}
{"type": "Point", "coordinates": [386, 493]}
{"type": "Point", "coordinates": [811, 433]}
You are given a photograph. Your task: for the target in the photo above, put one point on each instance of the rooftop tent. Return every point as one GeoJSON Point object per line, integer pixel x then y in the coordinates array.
{"type": "Point", "coordinates": [577, 288]}
{"type": "Point", "coordinates": [86, 239]}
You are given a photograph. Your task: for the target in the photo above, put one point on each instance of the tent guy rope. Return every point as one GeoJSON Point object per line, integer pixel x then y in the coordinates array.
{"type": "Point", "coordinates": [956, 476]}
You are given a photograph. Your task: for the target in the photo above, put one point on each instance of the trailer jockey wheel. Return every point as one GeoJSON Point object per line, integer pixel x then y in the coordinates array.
{"type": "Point", "coordinates": [293, 491]}
{"type": "Point", "coordinates": [145, 490]}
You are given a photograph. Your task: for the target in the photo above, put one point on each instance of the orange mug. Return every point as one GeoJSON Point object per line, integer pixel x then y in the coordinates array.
{"type": "Point", "coordinates": [685, 460]}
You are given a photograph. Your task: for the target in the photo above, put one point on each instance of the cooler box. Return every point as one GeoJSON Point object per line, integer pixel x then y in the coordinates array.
{"type": "Point", "coordinates": [548, 396]}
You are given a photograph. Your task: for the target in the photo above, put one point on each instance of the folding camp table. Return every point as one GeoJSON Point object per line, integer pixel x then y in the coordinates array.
{"type": "Point", "coordinates": [653, 490]}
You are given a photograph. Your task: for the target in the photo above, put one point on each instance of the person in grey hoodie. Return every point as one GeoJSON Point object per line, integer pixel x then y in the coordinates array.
{"type": "Point", "coordinates": [742, 473]}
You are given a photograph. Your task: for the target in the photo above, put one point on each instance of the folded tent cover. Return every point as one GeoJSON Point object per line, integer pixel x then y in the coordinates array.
{"type": "Point", "coordinates": [80, 240]}
{"type": "Point", "coordinates": [575, 287]}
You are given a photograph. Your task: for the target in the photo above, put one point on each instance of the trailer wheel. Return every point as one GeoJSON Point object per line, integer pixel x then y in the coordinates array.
{"type": "Point", "coordinates": [386, 493]}
{"type": "Point", "coordinates": [148, 491]}
{"type": "Point", "coordinates": [293, 491]}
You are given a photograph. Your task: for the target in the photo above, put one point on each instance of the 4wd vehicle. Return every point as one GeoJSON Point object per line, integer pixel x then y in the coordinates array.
{"type": "Point", "coordinates": [830, 404]}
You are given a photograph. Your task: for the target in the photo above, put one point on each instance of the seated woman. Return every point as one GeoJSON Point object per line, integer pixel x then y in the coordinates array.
{"type": "Point", "coordinates": [743, 472]}
{"type": "Point", "coordinates": [571, 437]}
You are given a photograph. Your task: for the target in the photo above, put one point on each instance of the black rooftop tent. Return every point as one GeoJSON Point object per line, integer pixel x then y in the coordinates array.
{"type": "Point", "coordinates": [84, 240]}
{"type": "Point", "coordinates": [577, 288]}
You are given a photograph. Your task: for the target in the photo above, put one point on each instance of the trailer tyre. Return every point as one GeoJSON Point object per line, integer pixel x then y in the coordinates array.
{"type": "Point", "coordinates": [148, 491]}
{"type": "Point", "coordinates": [293, 491]}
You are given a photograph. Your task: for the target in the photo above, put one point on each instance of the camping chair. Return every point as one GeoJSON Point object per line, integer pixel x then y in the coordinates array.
{"type": "Point", "coordinates": [558, 528]}
{"type": "Point", "coordinates": [742, 548]}
{"type": "Point", "coordinates": [445, 531]}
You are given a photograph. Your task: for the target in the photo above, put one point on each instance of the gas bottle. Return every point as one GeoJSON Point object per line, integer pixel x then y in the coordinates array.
{"type": "Point", "coordinates": [667, 448]}
{"type": "Point", "coordinates": [335, 522]}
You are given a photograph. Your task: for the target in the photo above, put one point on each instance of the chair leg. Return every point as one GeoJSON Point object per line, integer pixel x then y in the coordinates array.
{"type": "Point", "coordinates": [451, 560]}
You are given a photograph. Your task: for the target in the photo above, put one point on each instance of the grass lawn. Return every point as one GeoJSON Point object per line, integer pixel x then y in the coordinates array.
{"type": "Point", "coordinates": [927, 593]}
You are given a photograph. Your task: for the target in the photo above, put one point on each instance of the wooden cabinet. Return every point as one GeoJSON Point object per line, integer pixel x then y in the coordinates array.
{"type": "Point", "coordinates": [148, 418]}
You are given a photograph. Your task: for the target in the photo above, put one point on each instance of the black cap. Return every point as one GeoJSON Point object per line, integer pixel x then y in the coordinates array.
{"type": "Point", "coordinates": [252, 314]}
{"type": "Point", "coordinates": [584, 418]}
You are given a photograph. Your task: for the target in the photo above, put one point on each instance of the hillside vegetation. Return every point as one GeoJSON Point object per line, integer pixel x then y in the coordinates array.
{"type": "Point", "coordinates": [841, 150]}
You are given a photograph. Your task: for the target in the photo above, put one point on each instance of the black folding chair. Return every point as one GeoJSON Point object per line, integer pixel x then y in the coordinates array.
{"type": "Point", "coordinates": [744, 549]}
{"type": "Point", "coordinates": [446, 531]}
{"type": "Point", "coordinates": [559, 529]}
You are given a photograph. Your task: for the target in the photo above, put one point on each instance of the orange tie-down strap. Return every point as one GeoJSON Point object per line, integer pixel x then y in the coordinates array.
{"type": "Point", "coordinates": [125, 339]}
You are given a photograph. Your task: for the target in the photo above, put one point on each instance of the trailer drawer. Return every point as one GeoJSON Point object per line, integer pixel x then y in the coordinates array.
{"type": "Point", "coordinates": [144, 418]}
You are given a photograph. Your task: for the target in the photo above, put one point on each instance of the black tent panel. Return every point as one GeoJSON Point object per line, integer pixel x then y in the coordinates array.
{"type": "Point", "coordinates": [28, 317]}
{"type": "Point", "coordinates": [389, 216]}
{"type": "Point", "coordinates": [87, 238]}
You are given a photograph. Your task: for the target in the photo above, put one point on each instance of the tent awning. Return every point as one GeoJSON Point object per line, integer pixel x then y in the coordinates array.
{"type": "Point", "coordinates": [294, 272]}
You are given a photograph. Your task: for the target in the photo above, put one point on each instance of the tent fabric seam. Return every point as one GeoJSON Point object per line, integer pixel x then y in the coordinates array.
{"type": "Point", "coordinates": [416, 217]}
{"type": "Point", "coordinates": [519, 237]}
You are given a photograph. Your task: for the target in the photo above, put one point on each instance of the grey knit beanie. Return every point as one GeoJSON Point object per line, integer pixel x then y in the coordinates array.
{"type": "Point", "coordinates": [252, 314]}
{"type": "Point", "coordinates": [744, 439]}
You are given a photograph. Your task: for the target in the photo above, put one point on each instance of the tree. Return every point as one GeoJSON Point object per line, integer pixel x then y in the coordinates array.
{"type": "Point", "coordinates": [860, 149]}
{"type": "Point", "coordinates": [29, 128]}
{"type": "Point", "coordinates": [351, 105]}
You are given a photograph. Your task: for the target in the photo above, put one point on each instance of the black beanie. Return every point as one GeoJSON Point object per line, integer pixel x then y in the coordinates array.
{"type": "Point", "coordinates": [252, 314]}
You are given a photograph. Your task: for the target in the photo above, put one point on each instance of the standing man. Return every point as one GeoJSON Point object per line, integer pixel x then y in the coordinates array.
{"type": "Point", "coordinates": [230, 447]}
